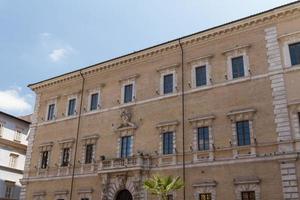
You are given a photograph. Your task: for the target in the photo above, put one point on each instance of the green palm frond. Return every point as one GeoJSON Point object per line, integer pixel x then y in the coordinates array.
{"type": "Point", "coordinates": [162, 186]}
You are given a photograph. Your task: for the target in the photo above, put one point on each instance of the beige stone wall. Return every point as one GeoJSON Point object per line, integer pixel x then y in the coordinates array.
{"type": "Point", "coordinates": [261, 160]}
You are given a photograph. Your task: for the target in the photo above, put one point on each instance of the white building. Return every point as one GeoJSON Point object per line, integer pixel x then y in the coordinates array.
{"type": "Point", "coordinates": [13, 143]}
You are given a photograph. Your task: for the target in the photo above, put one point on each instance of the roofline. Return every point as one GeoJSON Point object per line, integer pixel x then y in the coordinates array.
{"type": "Point", "coordinates": [167, 42]}
{"type": "Point", "coordinates": [14, 117]}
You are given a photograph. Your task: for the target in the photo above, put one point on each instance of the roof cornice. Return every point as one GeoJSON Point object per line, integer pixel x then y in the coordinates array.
{"type": "Point", "coordinates": [209, 34]}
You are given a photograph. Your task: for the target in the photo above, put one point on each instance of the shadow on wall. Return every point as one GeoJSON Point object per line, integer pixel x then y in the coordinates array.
{"type": "Point", "coordinates": [9, 190]}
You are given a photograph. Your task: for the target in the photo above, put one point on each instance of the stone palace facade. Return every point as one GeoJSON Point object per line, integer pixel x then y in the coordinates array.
{"type": "Point", "coordinates": [219, 108]}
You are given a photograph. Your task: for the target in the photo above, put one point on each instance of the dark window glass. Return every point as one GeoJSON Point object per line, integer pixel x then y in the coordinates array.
{"type": "Point", "coordinates": [200, 76]}
{"type": "Point", "coordinates": [94, 101]}
{"type": "Point", "coordinates": [125, 146]}
{"type": "Point", "coordinates": [89, 153]}
{"type": "Point", "coordinates": [168, 143]}
{"type": "Point", "coordinates": [203, 138]}
{"type": "Point", "coordinates": [205, 196]}
{"type": "Point", "coordinates": [170, 197]}
{"type": "Point", "coordinates": [44, 162]}
{"type": "Point", "coordinates": [299, 118]}
{"type": "Point", "coordinates": [85, 199]}
{"type": "Point", "coordinates": [243, 133]}
{"type": "Point", "coordinates": [128, 93]}
{"type": "Point", "coordinates": [295, 53]}
{"type": "Point", "coordinates": [65, 157]}
{"type": "Point", "coordinates": [51, 112]}
{"type": "Point", "coordinates": [168, 83]}
{"type": "Point", "coordinates": [248, 195]}
{"type": "Point", "coordinates": [71, 108]}
{"type": "Point", "coordinates": [237, 67]}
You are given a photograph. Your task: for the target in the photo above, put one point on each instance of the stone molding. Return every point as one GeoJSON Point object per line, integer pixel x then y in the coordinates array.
{"type": "Point", "coordinates": [85, 193]}
{"type": "Point", "coordinates": [205, 186]}
{"type": "Point", "coordinates": [244, 184]}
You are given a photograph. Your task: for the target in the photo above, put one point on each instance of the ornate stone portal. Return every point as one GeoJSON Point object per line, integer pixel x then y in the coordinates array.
{"type": "Point", "coordinates": [113, 183]}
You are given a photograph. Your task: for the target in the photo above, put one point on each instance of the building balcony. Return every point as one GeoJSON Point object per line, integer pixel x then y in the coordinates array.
{"type": "Point", "coordinates": [124, 164]}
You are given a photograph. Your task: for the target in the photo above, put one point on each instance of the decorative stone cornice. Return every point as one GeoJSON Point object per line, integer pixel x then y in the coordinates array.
{"type": "Point", "coordinates": [246, 180]}
{"type": "Point", "coordinates": [131, 77]}
{"type": "Point", "coordinates": [206, 35]}
{"type": "Point", "coordinates": [46, 146]}
{"type": "Point", "coordinates": [167, 126]}
{"type": "Point", "coordinates": [237, 48]}
{"type": "Point", "coordinates": [205, 183]}
{"type": "Point", "coordinates": [201, 121]}
{"type": "Point", "coordinates": [240, 115]}
{"type": "Point", "coordinates": [90, 139]}
{"type": "Point", "coordinates": [38, 194]}
{"type": "Point", "coordinates": [85, 190]}
{"type": "Point", "coordinates": [66, 143]}
{"type": "Point", "coordinates": [163, 68]}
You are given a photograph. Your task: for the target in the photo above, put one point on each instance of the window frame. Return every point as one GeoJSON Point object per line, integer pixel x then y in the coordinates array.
{"type": "Point", "coordinates": [289, 46]}
{"type": "Point", "coordinates": [234, 53]}
{"type": "Point", "coordinates": [64, 162]}
{"type": "Point", "coordinates": [71, 97]}
{"type": "Point", "coordinates": [162, 83]}
{"type": "Point", "coordinates": [249, 194]}
{"type": "Point", "coordinates": [18, 135]}
{"type": "Point", "coordinates": [245, 140]}
{"type": "Point", "coordinates": [92, 92]}
{"type": "Point", "coordinates": [88, 158]}
{"type": "Point", "coordinates": [288, 40]}
{"type": "Point", "coordinates": [238, 75]}
{"type": "Point", "coordinates": [45, 163]}
{"type": "Point", "coordinates": [53, 116]}
{"type": "Point", "coordinates": [13, 159]}
{"type": "Point", "coordinates": [169, 149]}
{"type": "Point", "coordinates": [206, 144]}
{"type": "Point", "coordinates": [207, 196]}
{"type": "Point", "coordinates": [128, 149]}
{"type": "Point", "coordinates": [123, 92]}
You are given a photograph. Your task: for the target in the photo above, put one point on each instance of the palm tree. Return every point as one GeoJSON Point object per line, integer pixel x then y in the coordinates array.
{"type": "Point", "coordinates": [162, 186]}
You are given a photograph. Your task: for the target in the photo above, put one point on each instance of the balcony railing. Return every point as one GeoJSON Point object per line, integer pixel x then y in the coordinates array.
{"type": "Point", "coordinates": [124, 163]}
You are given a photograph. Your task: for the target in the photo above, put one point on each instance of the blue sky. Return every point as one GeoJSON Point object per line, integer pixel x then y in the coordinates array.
{"type": "Point", "coordinates": [40, 39]}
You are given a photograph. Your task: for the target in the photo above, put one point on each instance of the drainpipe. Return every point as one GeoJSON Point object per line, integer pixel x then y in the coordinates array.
{"type": "Point", "coordinates": [183, 118]}
{"type": "Point", "coordinates": [77, 134]}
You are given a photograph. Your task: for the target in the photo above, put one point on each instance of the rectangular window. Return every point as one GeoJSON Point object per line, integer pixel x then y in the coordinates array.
{"type": "Point", "coordinates": [65, 157]}
{"type": "Point", "coordinates": [44, 161]}
{"type": "Point", "coordinates": [238, 67]}
{"type": "Point", "coordinates": [205, 196]}
{"type": "Point", "coordinates": [125, 146]}
{"type": "Point", "coordinates": [170, 197]}
{"type": "Point", "coordinates": [9, 189]}
{"type": "Point", "coordinates": [18, 135]}
{"type": "Point", "coordinates": [243, 133]}
{"type": "Point", "coordinates": [1, 129]}
{"type": "Point", "coordinates": [295, 53]}
{"type": "Point", "coordinates": [85, 199]}
{"type": "Point", "coordinates": [72, 107]}
{"type": "Point", "coordinates": [299, 118]}
{"type": "Point", "coordinates": [94, 101]}
{"type": "Point", "coordinates": [168, 83]}
{"type": "Point", "coordinates": [248, 195]}
{"type": "Point", "coordinates": [200, 76]}
{"type": "Point", "coordinates": [168, 143]}
{"type": "Point", "coordinates": [128, 93]}
{"type": "Point", "coordinates": [13, 160]}
{"type": "Point", "coordinates": [89, 153]}
{"type": "Point", "coordinates": [51, 109]}
{"type": "Point", "coordinates": [203, 138]}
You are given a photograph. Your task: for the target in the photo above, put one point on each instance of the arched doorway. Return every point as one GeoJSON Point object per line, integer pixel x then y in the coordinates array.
{"type": "Point", "coordinates": [124, 195]}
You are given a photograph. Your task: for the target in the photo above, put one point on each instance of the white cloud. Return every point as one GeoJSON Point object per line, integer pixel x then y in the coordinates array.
{"type": "Point", "coordinates": [58, 54]}
{"type": "Point", "coordinates": [13, 102]}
